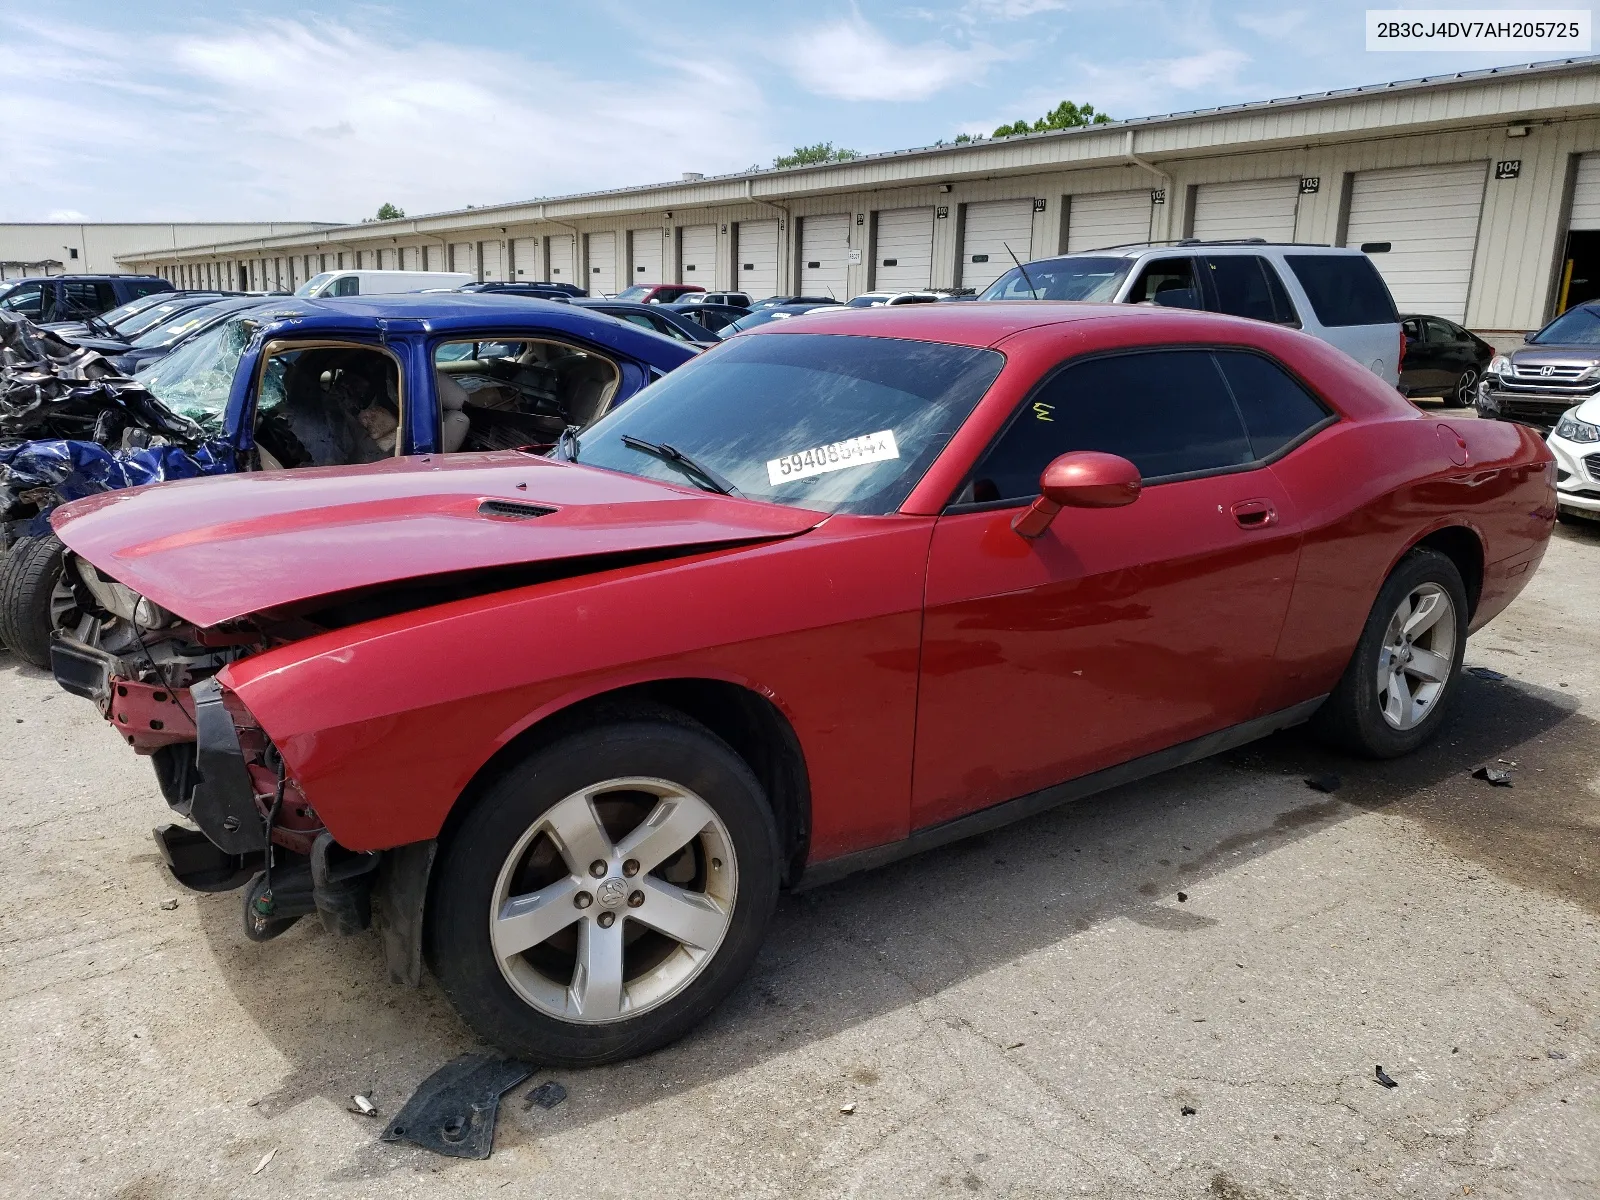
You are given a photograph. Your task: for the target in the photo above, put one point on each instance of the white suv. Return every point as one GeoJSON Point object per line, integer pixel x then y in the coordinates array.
{"type": "Point", "coordinates": [1332, 293]}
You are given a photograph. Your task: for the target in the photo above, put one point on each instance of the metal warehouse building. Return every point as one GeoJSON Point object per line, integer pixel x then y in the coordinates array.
{"type": "Point", "coordinates": [1485, 186]}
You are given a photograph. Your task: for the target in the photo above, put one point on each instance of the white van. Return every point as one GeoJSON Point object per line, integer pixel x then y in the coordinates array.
{"type": "Point", "coordinates": [381, 283]}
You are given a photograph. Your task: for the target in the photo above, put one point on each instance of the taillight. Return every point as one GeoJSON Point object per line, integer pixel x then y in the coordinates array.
{"type": "Point", "coordinates": [1400, 362]}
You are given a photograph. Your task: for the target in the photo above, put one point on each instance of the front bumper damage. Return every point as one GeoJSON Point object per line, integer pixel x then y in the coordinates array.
{"type": "Point", "coordinates": [1540, 406]}
{"type": "Point", "coordinates": [1577, 475]}
{"type": "Point", "coordinates": [250, 826]}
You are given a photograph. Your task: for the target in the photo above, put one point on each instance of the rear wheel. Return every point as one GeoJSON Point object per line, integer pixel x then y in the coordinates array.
{"type": "Point", "coordinates": [29, 574]}
{"type": "Point", "coordinates": [1465, 394]}
{"type": "Point", "coordinates": [1392, 696]}
{"type": "Point", "coordinates": [605, 894]}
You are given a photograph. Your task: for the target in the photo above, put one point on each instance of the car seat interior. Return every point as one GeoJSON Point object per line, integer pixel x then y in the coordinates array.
{"type": "Point", "coordinates": [502, 394]}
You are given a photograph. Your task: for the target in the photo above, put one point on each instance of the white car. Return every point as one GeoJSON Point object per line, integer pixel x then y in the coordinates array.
{"type": "Point", "coordinates": [1575, 441]}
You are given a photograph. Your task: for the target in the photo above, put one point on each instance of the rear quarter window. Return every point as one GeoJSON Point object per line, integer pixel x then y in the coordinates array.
{"type": "Point", "coordinates": [1344, 289]}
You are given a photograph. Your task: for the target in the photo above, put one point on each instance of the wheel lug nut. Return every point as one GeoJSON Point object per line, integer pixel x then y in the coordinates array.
{"type": "Point", "coordinates": [631, 867]}
{"type": "Point", "coordinates": [635, 899]}
{"type": "Point", "coordinates": [607, 919]}
{"type": "Point", "coordinates": [597, 868]}
{"type": "Point", "coordinates": [583, 899]}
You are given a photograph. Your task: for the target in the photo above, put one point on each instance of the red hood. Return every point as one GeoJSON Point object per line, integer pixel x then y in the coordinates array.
{"type": "Point", "coordinates": [211, 550]}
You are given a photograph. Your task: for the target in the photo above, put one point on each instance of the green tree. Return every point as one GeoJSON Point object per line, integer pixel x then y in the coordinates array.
{"type": "Point", "coordinates": [1065, 115]}
{"type": "Point", "coordinates": [389, 212]}
{"type": "Point", "coordinates": [810, 156]}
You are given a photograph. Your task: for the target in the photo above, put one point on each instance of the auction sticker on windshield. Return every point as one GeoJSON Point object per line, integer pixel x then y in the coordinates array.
{"type": "Point", "coordinates": [835, 456]}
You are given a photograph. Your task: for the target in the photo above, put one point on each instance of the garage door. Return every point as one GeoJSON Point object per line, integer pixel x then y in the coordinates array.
{"type": "Point", "coordinates": [700, 255]}
{"type": "Point", "coordinates": [1429, 217]}
{"type": "Point", "coordinates": [1246, 208]}
{"type": "Point", "coordinates": [995, 230]}
{"type": "Point", "coordinates": [904, 250]}
{"type": "Point", "coordinates": [602, 263]}
{"type": "Point", "coordinates": [525, 259]}
{"type": "Point", "coordinates": [562, 268]}
{"type": "Point", "coordinates": [1586, 194]}
{"type": "Point", "coordinates": [492, 256]}
{"type": "Point", "coordinates": [461, 258]}
{"type": "Point", "coordinates": [757, 250]}
{"type": "Point", "coordinates": [646, 256]}
{"type": "Point", "coordinates": [1097, 220]}
{"type": "Point", "coordinates": [824, 255]}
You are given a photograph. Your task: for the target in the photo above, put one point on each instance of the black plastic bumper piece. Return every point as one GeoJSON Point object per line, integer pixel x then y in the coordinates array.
{"type": "Point", "coordinates": [200, 866]}
{"type": "Point", "coordinates": [223, 804]}
{"type": "Point", "coordinates": [79, 672]}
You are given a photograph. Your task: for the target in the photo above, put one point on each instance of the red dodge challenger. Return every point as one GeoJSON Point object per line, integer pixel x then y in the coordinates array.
{"type": "Point", "coordinates": [562, 727]}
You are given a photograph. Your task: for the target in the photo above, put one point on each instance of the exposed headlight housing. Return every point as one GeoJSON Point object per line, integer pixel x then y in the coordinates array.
{"type": "Point", "coordinates": [1499, 365]}
{"type": "Point", "coordinates": [1573, 430]}
{"type": "Point", "coordinates": [149, 615]}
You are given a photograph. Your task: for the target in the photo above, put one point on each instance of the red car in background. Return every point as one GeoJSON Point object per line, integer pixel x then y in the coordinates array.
{"type": "Point", "coordinates": [657, 293]}
{"type": "Point", "coordinates": [830, 594]}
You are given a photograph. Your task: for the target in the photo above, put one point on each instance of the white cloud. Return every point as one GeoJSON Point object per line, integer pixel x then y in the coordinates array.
{"type": "Point", "coordinates": [1012, 10]}
{"type": "Point", "coordinates": [1277, 25]}
{"type": "Point", "coordinates": [1202, 70]}
{"type": "Point", "coordinates": [66, 214]}
{"type": "Point", "coordinates": [850, 60]}
{"type": "Point", "coordinates": [321, 120]}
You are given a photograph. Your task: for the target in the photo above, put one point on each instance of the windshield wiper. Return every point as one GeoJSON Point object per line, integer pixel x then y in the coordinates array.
{"type": "Point", "coordinates": [704, 477]}
{"type": "Point", "coordinates": [567, 443]}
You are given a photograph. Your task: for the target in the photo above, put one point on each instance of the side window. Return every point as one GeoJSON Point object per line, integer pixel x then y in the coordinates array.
{"type": "Point", "coordinates": [329, 406]}
{"type": "Point", "coordinates": [1169, 282]}
{"type": "Point", "coordinates": [1169, 411]}
{"type": "Point", "coordinates": [350, 285]}
{"type": "Point", "coordinates": [1412, 328]}
{"type": "Point", "coordinates": [497, 395]}
{"type": "Point", "coordinates": [1440, 333]}
{"type": "Point", "coordinates": [1344, 289]}
{"type": "Point", "coordinates": [26, 301]}
{"type": "Point", "coordinates": [84, 299]}
{"type": "Point", "coordinates": [1275, 407]}
{"type": "Point", "coordinates": [145, 289]}
{"type": "Point", "coordinates": [1245, 285]}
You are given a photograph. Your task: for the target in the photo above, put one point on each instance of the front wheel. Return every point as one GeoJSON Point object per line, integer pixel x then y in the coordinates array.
{"type": "Point", "coordinates": [606, 893]}
{"type": "Point", "coordinates": [1392, 696]}
{"type": "Point", "coordinates": [1466, 390]}
{"type": "Point", "coordinates": [29, 574]}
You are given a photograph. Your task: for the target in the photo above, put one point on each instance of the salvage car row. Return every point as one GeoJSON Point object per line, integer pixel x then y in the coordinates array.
{"type": "Point", "coordinates": [516, 657]}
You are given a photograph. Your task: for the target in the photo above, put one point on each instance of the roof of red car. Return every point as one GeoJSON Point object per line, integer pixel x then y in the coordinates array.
{"type": "Point", "coordinates": [971, 323]}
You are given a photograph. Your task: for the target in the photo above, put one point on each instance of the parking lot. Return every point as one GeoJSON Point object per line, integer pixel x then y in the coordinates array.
{"type": "Point", "coordinates": [1026, 1014]}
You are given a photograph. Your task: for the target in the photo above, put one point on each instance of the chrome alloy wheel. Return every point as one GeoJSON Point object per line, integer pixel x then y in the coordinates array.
{"type": "Point", "coordinates": [614, 900]}
{"type": "Point", "coordinates": [1467, 388]}
{"type": "Point", "coordinates": [1419, 649]}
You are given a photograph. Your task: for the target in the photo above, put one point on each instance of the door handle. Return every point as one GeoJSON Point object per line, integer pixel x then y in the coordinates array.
{"type": "Point", "coordinates": [1255, 514]}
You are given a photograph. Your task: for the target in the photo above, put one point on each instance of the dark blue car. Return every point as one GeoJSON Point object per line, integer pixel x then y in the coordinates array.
{"type": "Point", "coordinates": [330, 382]}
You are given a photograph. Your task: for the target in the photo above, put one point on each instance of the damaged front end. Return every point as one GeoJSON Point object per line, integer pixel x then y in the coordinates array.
{"type": "Point", "coordinates": [153, 678]}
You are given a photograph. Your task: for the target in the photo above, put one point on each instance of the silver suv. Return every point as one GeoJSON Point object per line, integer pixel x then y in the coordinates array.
{"type": "Point", "coordinates": [1332, 293]}
{"type": "Point", "coordinates": [1558, 369]}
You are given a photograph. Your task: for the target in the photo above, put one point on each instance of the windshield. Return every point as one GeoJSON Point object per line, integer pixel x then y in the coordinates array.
{"type": "Point", "coordinates": [195, 379]}
{"type": "Point", "coordinates": [134, 307]}
{"type": "Point", "coordinates": [633, 293]}
{"type": "Point", "coordinates": [1575, 327]}
{"type": "Point", "coordinates": [1061, 279]}
{"type": "Point", "coordinates": [142, 322]}
{"type": "Point", "coordinates": [821, 421]}
{"type": "Point", "coordinates": [170, 331]}
{"type": "Point", "coordinates": [760, 316]}
{"type": "Point", "coordinates": [311, 286]}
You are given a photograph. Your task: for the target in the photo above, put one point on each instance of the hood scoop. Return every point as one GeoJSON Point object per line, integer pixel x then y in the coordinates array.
{"type": "Point", "coordinates": [515, 510]}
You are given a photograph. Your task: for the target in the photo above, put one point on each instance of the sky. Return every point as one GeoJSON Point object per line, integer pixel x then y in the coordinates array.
{"type": "Point", "coordinates": [165, 110]}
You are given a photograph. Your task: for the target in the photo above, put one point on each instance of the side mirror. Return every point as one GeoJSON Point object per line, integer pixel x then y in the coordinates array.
{"type": "Point", "coordinates": [1081, 479]}
{"type": "Point", "coordinates": [1530, 335]}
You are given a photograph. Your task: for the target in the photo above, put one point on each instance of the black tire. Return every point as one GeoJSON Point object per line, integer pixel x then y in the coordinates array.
{"type": "Point", "coordinates": [28, 577]}
{"type": "Point", "coordinates": [656, 745]}
{"type": "Point", "coordinates": [1351, 718]}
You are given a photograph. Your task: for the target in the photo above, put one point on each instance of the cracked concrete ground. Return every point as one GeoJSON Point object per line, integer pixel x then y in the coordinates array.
{"type": "Point", "coordinates": [1026, 1014]}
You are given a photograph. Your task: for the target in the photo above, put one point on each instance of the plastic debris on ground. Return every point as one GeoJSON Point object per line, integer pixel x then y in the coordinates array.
{"type": "Point", "coordinates": [847, 1109]}
{"type": "Point", "coordinates": [1324, 783]}
{"type": "Point", "coordinates": [1494, 775]}
{"type": "Point", "coordinates": [1486, 673]}
{"type": "Point", "coordinates": [546, 1095]}
{"type": "Point", "coordinates": [1383, 1077]}
{"type": "Point", "coordinates": [363, 1107]}
{"type": "Point", "coordinates": [453, 1111]}
{"type": "Point", "coordinates": [265, 1159]}
{"type": "Point", "coordinates": [71, 425]}
{"type": "Point", "coordinates": [1187, 1111]}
